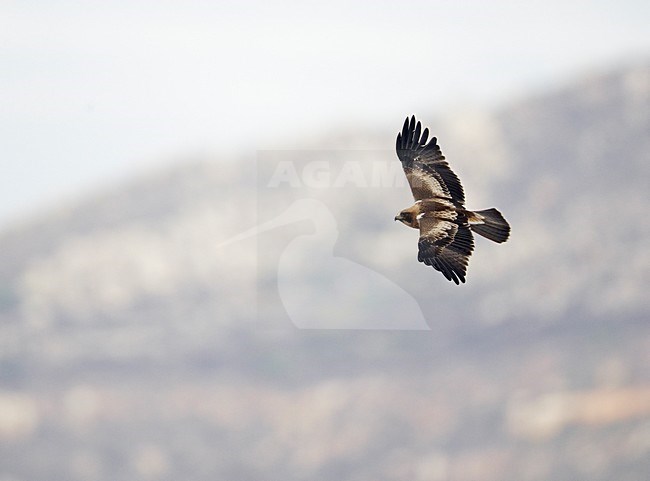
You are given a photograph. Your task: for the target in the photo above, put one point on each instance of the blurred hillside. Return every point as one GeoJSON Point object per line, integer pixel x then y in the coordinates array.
{"type": "Point", "coordinates": [133, 346]}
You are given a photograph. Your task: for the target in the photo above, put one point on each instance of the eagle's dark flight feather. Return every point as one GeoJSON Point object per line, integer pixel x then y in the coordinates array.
{"type": "Point", "coordinates": [419, 157]}
{"type": "Point", "coordinates": [448, 253]}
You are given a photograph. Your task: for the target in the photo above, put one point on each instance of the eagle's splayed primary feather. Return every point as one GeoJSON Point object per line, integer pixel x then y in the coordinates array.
{"type": "Point", "coordinates": [446, 241]}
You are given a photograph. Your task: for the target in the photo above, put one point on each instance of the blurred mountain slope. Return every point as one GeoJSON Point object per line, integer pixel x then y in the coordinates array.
{"type": "Point", "coordinates": [133, 346]}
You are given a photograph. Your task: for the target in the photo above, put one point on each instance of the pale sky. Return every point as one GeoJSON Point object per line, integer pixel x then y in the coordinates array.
{"type": "Point", "coordinates": [91, 92]}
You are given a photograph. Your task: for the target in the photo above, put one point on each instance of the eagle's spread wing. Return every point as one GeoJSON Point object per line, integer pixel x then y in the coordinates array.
{"type": "Point", "coordinates": [424, 165]}
{"type": "Point", "coordinates": [445, 244]}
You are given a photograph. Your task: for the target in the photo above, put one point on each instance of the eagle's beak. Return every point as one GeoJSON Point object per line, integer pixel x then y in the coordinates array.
{"type": "Point", "coordinates": [398, 217]}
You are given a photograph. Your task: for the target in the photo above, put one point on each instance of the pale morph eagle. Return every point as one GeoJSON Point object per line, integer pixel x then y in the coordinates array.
{"type": "Point", "coordinates": [446, 241]}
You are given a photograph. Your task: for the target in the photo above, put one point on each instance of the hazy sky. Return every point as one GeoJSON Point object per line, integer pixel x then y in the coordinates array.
{"type": "Point", "coordinates": [93, 91]}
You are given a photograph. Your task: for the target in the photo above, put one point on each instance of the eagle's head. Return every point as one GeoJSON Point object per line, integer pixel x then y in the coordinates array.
{"type": "Point", "coordinates": [408, 217]}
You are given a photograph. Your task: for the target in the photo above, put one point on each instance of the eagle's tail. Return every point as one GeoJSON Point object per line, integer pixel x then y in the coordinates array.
{"type": "Point", "coordinates": [490, 224]}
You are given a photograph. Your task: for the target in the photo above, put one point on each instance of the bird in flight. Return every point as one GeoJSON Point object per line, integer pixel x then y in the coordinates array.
{"type": "Point", "coordinates": [446, 241]}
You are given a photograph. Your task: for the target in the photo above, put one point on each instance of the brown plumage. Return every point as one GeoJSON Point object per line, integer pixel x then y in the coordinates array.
{"type": "Point", "coordinates": [446, 241]}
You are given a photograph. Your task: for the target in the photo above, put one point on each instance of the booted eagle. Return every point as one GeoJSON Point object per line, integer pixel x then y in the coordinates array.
{"type": "Point", "coordinates": [446, 241]}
